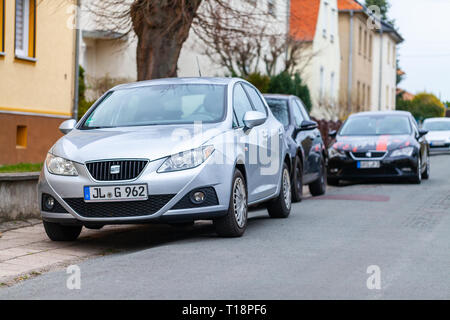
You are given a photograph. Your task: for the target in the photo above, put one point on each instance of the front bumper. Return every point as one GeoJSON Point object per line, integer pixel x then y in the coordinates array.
{"type": "Point", "coordinates": [168, 196]}
{"type": "Point", "coordinates": [347, 169]}
{"type": "Point", "coordinates": [438, 146]}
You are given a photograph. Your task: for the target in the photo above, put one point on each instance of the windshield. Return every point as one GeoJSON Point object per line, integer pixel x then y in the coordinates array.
{"type": "Point", "coordinates": [279, 109]}
{"type": "Point", "coordinates": [437, 125]}
{"type": "Point", "coordinates": [160, 104]}
{"type": "Point", "coordinates": [376, 125]}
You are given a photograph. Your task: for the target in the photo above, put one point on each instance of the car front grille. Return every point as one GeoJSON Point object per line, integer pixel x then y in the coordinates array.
{"type": "Point", "coordinates": [366, 155]}
{"type": "Point", "coordinates": [129, 169]}
{"type": "Point", "coordinates": [119, 209]}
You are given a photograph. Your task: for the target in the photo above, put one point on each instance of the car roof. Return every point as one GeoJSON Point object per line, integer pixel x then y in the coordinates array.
{"type": "Point", "coordinates": [187, 80]}
{"type": "Point", "coordinates": [277, 96]}
{"type": "Point", "coordinates": [382, 113]}
{"type": "Point", "coordinates": [436, 119]}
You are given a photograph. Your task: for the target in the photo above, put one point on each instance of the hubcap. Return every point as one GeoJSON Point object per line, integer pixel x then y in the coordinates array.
{"type": "Point", "coordinates": [419, 170]}
{"type": "Point", "coordinates": [240, 202]}
{"type": "Point", "coordinates": [286, 189]}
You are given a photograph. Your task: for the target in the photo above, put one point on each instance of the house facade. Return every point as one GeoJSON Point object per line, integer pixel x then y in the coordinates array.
{"type": "Point", "coordinates": [315, 22]}
{"type": "Point", "coordinates": [37, 59]}
{"type": "Point", "coordinates": [109, 59]}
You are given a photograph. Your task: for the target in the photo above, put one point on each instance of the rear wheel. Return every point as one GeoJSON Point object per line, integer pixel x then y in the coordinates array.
{"type": "Point", "coordinates": [297, 183]}
{"type": "Point", "coordinates": [58, 232]}
{"type": "Point", "coordinates": [235, 222]}
{"type": "Point", "coordinates": [319, 187]}
{"type": "Point", "coordinates": [281, 206]}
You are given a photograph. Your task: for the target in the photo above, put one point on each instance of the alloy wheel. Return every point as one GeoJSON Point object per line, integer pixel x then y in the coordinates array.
{"type": "Point", "coordinates": [287, 189]}
{"type": "Point", "coordinates": [240, 202]}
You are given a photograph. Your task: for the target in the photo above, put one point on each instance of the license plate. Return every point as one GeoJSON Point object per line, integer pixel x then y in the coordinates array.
{"type": "Point", "coordinates": [368, 164]}
{"type": "Point", "coordinates": [438, 143]}
{"type": "Point", "coordinates": [115, 193]}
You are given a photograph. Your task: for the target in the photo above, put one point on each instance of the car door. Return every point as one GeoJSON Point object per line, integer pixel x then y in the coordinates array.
{"type": "Point", "coordinates": [270, 144]}
{"type": "Point", "coordinates": [248, 140]}
{"type": "Point", "coordinates": [422, 141]}
{"type": "Point", "coordinates": [301, 137]}
{"type": "Point", "coordinates": [315, 152]}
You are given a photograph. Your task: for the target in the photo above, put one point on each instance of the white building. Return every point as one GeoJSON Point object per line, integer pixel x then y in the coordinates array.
{"type": "Point", "coordinates": [316, 23]}
{"type": "Point", "coordinates": [384, 75]}
{"type": "Point", "coordinates": [109, 58]}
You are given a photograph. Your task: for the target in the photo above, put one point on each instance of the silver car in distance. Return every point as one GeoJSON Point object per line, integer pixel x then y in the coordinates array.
{"type": "Point", "coordinates": [171, 151]}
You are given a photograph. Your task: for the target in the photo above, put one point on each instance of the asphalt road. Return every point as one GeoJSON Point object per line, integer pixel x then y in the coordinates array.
{"type": "Point", "coordinates": [321, 252]}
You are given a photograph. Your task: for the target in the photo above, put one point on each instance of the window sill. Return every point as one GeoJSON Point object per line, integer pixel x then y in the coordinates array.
{"type": "Point", "coordinates": [26, 58]}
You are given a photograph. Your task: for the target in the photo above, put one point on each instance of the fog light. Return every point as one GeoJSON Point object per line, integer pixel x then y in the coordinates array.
{"type": "Point", "coordinates": [334, 170]}
{"type": "Point", "coordinates": [198, 197]}
{"type": "Point", "coordinates": [407, 169]}
{"type": "Point", "coordinates": [49, 203]}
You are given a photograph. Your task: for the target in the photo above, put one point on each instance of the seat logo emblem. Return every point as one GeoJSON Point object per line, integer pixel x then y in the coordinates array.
{"type": "Point", "coordinates": [115, 169]}
{"type": "Point", "coordinates": [369, 154]}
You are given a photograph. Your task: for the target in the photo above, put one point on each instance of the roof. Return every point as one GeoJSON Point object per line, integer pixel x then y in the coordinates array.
{"type": "Point", "coordinates": [277, 96]}
{"type": "Point", "coordinates": [437, 119]}
{"type": "Point", "coordinates": [347, 5]}
{"type": "Point", "coordinates": [303, 19]}
{"type": "Point", "coordinates": [405, 94]}
{"type": "Point", "coordinates": [382, 113]}
{"type": "Point", "coordinates": [166, 81]}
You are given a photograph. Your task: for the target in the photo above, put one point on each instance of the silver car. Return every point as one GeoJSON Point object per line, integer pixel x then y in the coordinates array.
{"type": "Point", "coordinates": [438, 134]}
{"type": "Point", "coordinates": [171, 151]}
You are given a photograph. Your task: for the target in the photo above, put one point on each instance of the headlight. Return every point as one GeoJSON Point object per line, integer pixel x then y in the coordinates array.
{"type": "Point", "coordinates": [60, 166]}
{"type": "Point", "coordinates": [405, 152]}
{"type": "Point", "coordinates": [187, 159]}
{"type": "Point", "coordinates": [335, 153]}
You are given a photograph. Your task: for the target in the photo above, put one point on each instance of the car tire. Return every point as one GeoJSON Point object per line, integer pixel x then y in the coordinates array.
{"type": "Point", "coordinates": [333, 181]}
{"type": "Point", "coordinates": [297, 181]}
{"type": "Point", "coordinates": [280, 207]}
{"type": "Point", "coordinates": [58, 232]}
{"type": "Point", "coordinates": [319, 187]}
{"type": "Point", "coordinates": [417, 179]}
{"type": "Point", "coordinates": [235, 222]}
{"type": "Point", "coordinates": [426, 174]}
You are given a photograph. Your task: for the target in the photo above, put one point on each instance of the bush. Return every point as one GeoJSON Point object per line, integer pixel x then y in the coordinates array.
{"type": "Point", "coordinates": [260, 81]}
{"type": "Point", "coordinates": [283, 83]}
{"type": "Point", "coordinates": [83, 107]}
{"type": "Point", "coordinates": [423, 106]}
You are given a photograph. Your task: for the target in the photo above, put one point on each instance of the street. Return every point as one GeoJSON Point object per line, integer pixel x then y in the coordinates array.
{"type": "Point", "coordinates": [322, 251]}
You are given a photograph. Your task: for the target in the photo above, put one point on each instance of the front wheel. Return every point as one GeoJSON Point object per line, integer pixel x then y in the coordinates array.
{"type": "Point", "coordinates": [319, 187]}
{"type": "Point", "coordinates": [417, 179]}
{"type": "Point", "coordinates": [281, 206]}
{"type": "Point", "coordinates": [297, 183]}
{"type": "Point", "coordinates": [426, 174]}
{"type": "Point", "coordinates": [59, 232]}
{"type": "Point", "coordinates": [235, 222]}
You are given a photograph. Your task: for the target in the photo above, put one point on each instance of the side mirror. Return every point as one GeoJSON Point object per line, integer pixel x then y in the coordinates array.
{"type": "Point", "coordinates": [332, 134]}
{"type": "Point", "coordinates": [308, 125]}
{"type": "Point", "coordinates": [67, 126]}
{"type": "Point", "coordinates": [422, 132]}
{"type": "Point", "coordinates": [253, 119]}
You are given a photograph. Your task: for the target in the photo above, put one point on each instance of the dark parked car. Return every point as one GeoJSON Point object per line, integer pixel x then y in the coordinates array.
{"type": "Point", "coordinates": [306, 147]}
{"type": "Point", "coordinates": [379, 145]}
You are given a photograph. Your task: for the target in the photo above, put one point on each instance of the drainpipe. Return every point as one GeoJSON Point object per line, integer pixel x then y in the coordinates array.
{"type": "Point", "coordinates": [77, 62]}
{"type": "Point", "coordinates": [350, 67]}
{"type": "Point", "coordinates": [381, 69]}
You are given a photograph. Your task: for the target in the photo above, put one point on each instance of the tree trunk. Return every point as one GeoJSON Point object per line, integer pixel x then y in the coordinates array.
{"type": "Point", "coordinates": [162, 26]}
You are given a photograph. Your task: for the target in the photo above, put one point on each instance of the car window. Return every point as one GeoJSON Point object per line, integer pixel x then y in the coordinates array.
{"type": "Point", "coordinates": [159, 104]}
{"type": "Point", "coordinates": [241, 104]}
{"type": "Point", "coordinates": [256, 99]}
{"type": "Point", "coordinates": [437, 125]}
{"type": "Point", "coordinates": [302, 109]}
{"type": "Point", "coordinates": [279, 108]}
{"type": "Point", "coordinates": [298, 116]}
{"type": "Point", "coordinates": [376, 125]}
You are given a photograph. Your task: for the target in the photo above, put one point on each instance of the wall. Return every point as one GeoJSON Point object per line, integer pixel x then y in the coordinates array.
{"type": "Point", "coordinates": [18, 196]}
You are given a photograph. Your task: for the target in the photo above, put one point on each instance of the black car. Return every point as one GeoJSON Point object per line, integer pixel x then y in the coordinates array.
{"type": "Point", "coordinates": [305, 143]}
{"type": "Point", "coordinates": [379, 145]}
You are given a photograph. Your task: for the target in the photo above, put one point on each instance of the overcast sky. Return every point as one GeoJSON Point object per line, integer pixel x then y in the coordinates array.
{"type": "Point", "coordinates": [425, 54]}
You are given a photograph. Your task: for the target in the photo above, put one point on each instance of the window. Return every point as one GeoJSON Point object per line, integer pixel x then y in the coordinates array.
{"type": "Point", "coordinates": [360, 40]}
{"type": "Point", "coordinates": [25, 41]}
{"type": "Point", "coordinates": [271, 7]}
{"type": "Point", "coordinates": [241, 103]}
{"type": "Point", "coordinates": [389, 53]}
{"type": "Point", "coordinates": [394, 58]}
{"type": "Point", "coordinates": [255, 99]}
{"type": "Point", "coordinates": [302, 109]}
{"type": "Point", "coordinates": [363, 95]}
{"type": "Point", "coordinates": [21, 137]}
{"type": "Point", "coordinates": [297, 113]}
{"type": "Point", "coordinates": [322, 80]}
{"type": "Point", "coordinates": [369, 98]}
{"type": "Point", "coordinates": [387, 97]}
{"type": "Point", "coordinates": [325, 18]}
{"type": "Point", "coordinates": [365, 44]}
{"type": "Point", "coordinates": [2, 25]}
{"type": "Point", "coordinates": [279, 108]}
{"type": "Point", "coordinates": [332, 24]}
{"type": "Point", "coordinates": [332, 96]}
{"type": "Point", "coordinates": [358, 94]}
{"type": "Point", "coordinates": [370, 47]}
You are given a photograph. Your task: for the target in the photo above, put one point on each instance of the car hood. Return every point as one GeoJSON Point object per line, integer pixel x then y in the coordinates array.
{"type": "Point", "coordinates": [152, 142]}
{"type": "Point", "coordinates": [438, 135]}
{"type": "Point", "coordinates": [373, 143]}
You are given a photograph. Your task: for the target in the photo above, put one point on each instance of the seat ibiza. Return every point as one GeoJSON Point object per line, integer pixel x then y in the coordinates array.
{"type": "Point", "coordinates": [171, 150]}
